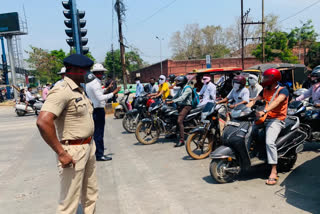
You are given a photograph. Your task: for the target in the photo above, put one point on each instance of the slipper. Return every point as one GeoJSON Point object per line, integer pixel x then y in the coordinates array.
{"type": "Point", "coordinates": [275, 180]}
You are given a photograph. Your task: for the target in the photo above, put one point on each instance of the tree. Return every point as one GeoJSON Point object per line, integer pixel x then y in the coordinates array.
{"type": "Point", "coordinates": [276, 46]}
{"type": "Point", "coordinates": [313, 56]}
{"type": "Point", "coordinates": [133, 62]}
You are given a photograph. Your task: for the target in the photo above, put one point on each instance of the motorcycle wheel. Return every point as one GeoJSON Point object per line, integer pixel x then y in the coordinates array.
{"type": "Point", "coordinates": [147, 133]}
{"type": "Point", "coordinates": [198, 150]}
{"type": "Point", "coordinates": [128, 123]}
{"type": "Point", "coordinates": [285, 164]}
{"type": "Point", "coordinates": [219, 174]}
{"type": "Point", "coordinates": [20, 113]}
{"type": "Point", "coordinates": [117, 114]}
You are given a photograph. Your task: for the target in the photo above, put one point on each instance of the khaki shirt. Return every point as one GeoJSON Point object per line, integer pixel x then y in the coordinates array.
{"type": "Point", "coordinates": [68, 102]}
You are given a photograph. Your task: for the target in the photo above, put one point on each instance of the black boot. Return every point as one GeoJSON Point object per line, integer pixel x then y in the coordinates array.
{"type": "Point", "coordinates": [179, 144]}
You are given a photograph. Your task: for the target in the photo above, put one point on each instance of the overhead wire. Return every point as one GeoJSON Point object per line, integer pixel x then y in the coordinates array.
{"type": "Point", "coordinates": [300, 11]}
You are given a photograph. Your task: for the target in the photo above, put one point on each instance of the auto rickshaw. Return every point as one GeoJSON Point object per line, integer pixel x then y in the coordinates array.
{"type": "Point", "coordinates": [222, 78]}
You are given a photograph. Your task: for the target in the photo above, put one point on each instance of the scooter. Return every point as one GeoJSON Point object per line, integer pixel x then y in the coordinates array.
{"type": "Point", "coordinates": [34, 107]}
{"type": "Point", "coordinates": [241, 151]}
{"type": "Point", "coordinates": [124, 105]}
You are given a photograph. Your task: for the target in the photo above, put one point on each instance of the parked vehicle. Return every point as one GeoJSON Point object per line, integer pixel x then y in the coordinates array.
{"type": "Point", "coordinates": [309, 115]}
{"type": "Point", "coordinates": [203, 139]}
{"type": "Point", "coordinates": [163, 119]}
{"type": "Point", "coordinates": [140, 111]}
{"type": "Point", "coordinates": [240, 151]}
{"type": "Point", "coordinates": [124, 105]}
{"type": "Point", "coordinates": [33, 108]}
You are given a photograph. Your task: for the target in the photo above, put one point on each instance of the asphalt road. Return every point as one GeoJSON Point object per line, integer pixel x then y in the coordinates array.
{"type": "Point", "coordinates": [146, 179]}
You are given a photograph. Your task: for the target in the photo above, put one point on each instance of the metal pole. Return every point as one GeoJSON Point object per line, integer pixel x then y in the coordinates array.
{"type": "Point", "coordinates": [5, 68]}
{"type": "Point", "coordinates": [75, 27]}
{"type": "Point", "coordinates": [263, 34]}
{"type": "Point", "coordinates": [12, 64]}
{"type": "Point", "coordinates": [242, 36]}
{"type": "Point", "coordinates": [160, 53]}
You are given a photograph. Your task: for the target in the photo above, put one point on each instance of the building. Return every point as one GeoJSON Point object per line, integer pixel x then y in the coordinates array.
{"type": "Point", "coordinates": [180, 67]}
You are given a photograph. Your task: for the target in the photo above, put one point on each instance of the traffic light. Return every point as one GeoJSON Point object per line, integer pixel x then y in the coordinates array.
{"type": "Point", "coordinates": [75, 26]}
{"type": "Point", "coordinates": [3, 78]}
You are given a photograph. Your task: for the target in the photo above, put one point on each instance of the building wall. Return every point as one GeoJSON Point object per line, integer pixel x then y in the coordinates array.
{"type": "Point", "coordinates": [180, 67]}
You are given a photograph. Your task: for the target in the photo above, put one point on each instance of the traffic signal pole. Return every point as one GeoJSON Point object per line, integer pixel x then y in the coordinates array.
{"type": "Point", "coordinates": [12, 64]}
{"type": "Point", "coordinates": [75, 27]}
{"type": "Point", "coordinates": [5, 67]}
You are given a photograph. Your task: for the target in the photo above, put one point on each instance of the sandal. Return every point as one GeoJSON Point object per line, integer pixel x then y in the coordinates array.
{"type": "Point", "coordinates": [275, 180]}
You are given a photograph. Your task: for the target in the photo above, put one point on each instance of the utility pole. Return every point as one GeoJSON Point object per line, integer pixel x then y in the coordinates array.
{"type": "Point", "coordinates": [113, 70]}
{"type": "Point", "coordinates": [120, 10]}
{"type": "Point", "coordinates": [12, 64]}
{"type": "Point", "coordinates": [242, 36]}
{"type": "Point", "coordinates": [263, 35]}
{"type": "Point", "coordinates": [160, 52]}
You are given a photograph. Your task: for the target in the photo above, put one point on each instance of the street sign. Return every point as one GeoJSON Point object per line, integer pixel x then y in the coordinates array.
{"type": "Point", "coordinates": [208, 61]}
{"type": "Point", "coordinates": [9, 22]}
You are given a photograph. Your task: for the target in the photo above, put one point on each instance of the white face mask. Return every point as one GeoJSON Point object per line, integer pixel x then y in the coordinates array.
{"type": "Point", "coordinates": [205, 81]}
{"type": "Point", "coordinates": [252, 82]}
{"type": "Point", "coordinates": [161, 81]}
{"type": "Point", "coordinates": [236, 86]}
{"type": "Point", "coordinates": [137, 82]}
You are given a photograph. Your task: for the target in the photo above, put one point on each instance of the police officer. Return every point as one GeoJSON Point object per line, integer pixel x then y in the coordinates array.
{"type": "Point", "coordinates": [98, 97]}
{"type": "Point", "coordinates": [68, 112]}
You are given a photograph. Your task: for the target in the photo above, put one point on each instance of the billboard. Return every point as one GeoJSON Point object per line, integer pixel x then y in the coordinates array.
{"type": "Point", "coordinates": [9, 22]}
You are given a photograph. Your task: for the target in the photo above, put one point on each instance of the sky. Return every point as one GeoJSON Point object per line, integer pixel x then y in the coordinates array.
{"type": "Point", "coordinates": [146, 19]}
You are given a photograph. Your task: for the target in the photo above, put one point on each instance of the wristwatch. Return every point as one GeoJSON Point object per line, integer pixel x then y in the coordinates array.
{"type": "Point", "coordinates": [265, 111]}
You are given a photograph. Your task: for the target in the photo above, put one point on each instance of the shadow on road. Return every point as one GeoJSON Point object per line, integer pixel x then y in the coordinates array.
{"type": "Point", "coordinates": [313, 146]}
{"type": "Point", "coordinates": [159, 141]}
{"type": "Point", "coordinates": [188, 158]}
{"type": "Point", "coordinates": [302, 187]}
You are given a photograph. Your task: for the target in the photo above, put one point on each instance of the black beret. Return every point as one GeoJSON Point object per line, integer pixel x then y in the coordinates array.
{"type": "Point", "coordinates": [78, 60]}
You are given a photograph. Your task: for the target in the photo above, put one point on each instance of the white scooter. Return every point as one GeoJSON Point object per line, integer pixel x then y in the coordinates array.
{"type": "Point", "coordinates": [31, 109]}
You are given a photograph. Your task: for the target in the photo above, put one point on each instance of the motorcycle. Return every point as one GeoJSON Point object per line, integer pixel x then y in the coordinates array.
{"type": "Point", "coordinates": [308, 115]}
{"type": "Point", "coordinates": [124, 105]}
{"type": "Point", "coordinates": [203, 139]}
{"type": "Point", "coordinates": [163, 119]}
{"type": "Point", "coordinates": [140, 111]}
{"type": "Point", "coordinates": [34, 107]}
{"type": "Point", "coordinates": [240, 151]}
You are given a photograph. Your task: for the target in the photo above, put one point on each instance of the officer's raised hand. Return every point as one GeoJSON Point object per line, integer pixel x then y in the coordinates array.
{"type": "Point", "coordinates": [66, 160]}
{"type": "Point", "coordinates": [117, 90]}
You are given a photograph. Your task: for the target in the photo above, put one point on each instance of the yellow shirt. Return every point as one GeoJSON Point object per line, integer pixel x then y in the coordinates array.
{"type": "Point", "coordinates": [68, 102]}
{"type": "Point", "coordinates": [166, 91]}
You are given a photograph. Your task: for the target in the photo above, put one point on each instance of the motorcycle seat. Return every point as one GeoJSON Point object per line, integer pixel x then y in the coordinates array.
{"type": "Point", "coordinates": [289, 123]}
{"type": "Point", "coordinates": [198, 109]}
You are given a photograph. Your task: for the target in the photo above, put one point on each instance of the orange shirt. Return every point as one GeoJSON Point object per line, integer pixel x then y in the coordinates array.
{"type": "Point", "coordinates": [280, 112]}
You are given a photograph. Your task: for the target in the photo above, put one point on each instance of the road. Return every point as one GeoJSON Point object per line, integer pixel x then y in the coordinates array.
{"type": "Point", "coordinates": [146, 179]}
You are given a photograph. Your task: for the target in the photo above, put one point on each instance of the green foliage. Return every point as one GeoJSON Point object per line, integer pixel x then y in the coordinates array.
{"type": "Point", "coordinates": [313, 56]}
{"type": "Point", "coordinates": [133, 62]}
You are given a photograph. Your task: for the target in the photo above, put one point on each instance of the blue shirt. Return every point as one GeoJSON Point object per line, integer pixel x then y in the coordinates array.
{"type": "Point", "coordinates": [139, 90]}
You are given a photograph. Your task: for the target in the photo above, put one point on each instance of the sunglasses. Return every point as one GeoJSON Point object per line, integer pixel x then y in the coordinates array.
{"type": "Point", "coordinates": [161, 79]}
{"type": "Point", "coordinates": [205, 78]}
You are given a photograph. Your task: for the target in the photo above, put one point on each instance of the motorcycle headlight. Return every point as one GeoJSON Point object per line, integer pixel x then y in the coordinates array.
{"type": "Point", "coordinates": [291, 111]}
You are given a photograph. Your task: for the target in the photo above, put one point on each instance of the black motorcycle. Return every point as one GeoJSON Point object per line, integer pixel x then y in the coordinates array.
{"type": "Point", "coordinates": [203, 139]}
{"type": "Point", "coordinates": [308, 115]}
{"type": "Point", "coordinates": [163, 119]}
{"type": "Point", "coordinates": [240, 150]}
{"type": "Point", "coordinates": [134, 116]}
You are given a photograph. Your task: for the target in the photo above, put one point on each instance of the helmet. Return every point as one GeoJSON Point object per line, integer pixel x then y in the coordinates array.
{"type": "Point", "coordinates": [181, 81]}
{"type": "Point", "coordinates": [62, 71]}
{"type": "Point", "coordinates": [146, 88]}
{"type": "Point", "coordinates": [270, 76]}
{"type": "Point", "coordinates": [240, 79]}
{"type": "Point", "coordinates": [150, 102]}
{"type": "Point", "coordinates": [172, 77]}
{"type": "Point", "coordinates": [98, 68]}
{"type": "Point", "coordinates": [315, 75]}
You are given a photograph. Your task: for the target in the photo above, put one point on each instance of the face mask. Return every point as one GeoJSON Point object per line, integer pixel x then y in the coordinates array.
{"type": "Point", "coordinates": [252, 82]}
{"type": "Point", "coordinates": [161, 81]}
{"type": "Point", "coordinates": [236, 86]}
{"type": "Point", "coordinates": [205, 81]}
{"type": "Point", "coordinates": [137, 82]}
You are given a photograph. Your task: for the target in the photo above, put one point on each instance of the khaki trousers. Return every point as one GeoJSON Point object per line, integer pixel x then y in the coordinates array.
{"type": "Point", "coordinates": [79, 184]}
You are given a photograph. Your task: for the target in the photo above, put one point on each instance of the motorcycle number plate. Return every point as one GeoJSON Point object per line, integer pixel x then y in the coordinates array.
{"type": "Point", "coordinates": [231, 123]}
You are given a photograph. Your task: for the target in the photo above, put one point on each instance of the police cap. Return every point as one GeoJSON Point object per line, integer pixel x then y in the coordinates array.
{"type": "Point", "coordinates": [77, 60]}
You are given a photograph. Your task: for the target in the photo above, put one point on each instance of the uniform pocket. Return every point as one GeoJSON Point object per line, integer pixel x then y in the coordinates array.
{"type": "Point", "coordinates": [81, 108]}
{"type": "Point", "coordinates": [79, 153]}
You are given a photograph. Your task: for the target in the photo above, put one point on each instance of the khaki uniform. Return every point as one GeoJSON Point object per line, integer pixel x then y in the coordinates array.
{"type": "Point", "coordinates": [74, 121]}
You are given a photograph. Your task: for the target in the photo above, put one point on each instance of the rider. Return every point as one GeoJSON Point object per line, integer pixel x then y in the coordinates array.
{"type": "Point", "coordinates": [173, 87]}
{"type": "Point", "coordinates": [254, 87]}
{"type": "Point", "coordinates": [276, 114]}
{"type": "Point", "coordinates": [184, 101]}
{"type": "Point", "coordinates": [208, 91]}
{"type": "Point", "coordinates": [30, 99]}
{"type": "Point", "coordinates": [313, 91]}
{"type": "Point", "coordinates": [239, 94]}
{"type": "Point", "coordinates": [163, 91]}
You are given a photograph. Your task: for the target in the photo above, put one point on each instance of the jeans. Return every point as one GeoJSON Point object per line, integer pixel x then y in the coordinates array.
{"type": "Point", "coordinates": [99, 123]}
{"type": "Point", "coordinates": [182, 114]}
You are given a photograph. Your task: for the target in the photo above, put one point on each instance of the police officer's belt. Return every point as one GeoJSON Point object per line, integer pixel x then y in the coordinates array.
{"type": "Point", "coordinates": [77, 142]}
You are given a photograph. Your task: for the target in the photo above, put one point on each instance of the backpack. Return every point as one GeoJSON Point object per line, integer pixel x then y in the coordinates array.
{"type": "Point", "coordinates": [195, 96]}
